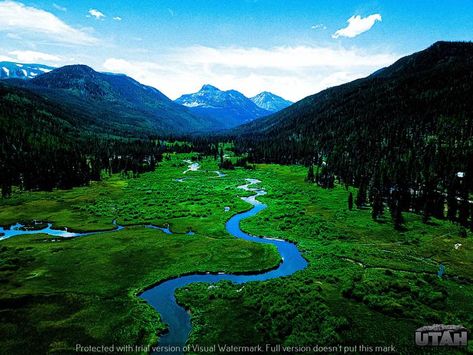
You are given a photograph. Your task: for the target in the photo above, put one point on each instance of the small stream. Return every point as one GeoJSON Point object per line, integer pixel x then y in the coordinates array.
{"type": "Point", "coordinates": [162, 296]}
{"type": "Point", "coordinates": [20, 229]}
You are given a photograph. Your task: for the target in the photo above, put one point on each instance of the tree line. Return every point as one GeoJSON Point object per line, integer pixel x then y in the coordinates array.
{"type": "Point", "coordinates": [403, 137]}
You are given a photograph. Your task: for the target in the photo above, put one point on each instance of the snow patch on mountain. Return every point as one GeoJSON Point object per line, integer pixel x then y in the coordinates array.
{"type": "Point", "coordinates": [11, 70]}
{"type": "Point", "coordinates": [230, 108]}
{"type": "Point", "coordinates": [270, 101]}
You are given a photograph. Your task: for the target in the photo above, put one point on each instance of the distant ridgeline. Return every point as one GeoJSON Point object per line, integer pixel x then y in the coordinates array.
{"type": "Point", "coordinates": [231, 108]}
{"type": "Point", "coordinates": [402, 135]}
{"type": "Point", "coordinates": [63, 127]}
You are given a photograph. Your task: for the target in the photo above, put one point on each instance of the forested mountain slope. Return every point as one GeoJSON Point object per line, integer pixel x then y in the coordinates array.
{"type": "Point", "coordinates": [116, 102]}
{"type": "Point", "coordinates": [74, 123]}
{"type": "Point", "coordinates": [407, 127]}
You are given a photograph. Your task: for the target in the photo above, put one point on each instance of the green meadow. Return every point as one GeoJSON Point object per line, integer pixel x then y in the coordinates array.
{"type": "Point", "coordinates": [56, 293]}
{"type": "Point", "coordinates": [366, 283]}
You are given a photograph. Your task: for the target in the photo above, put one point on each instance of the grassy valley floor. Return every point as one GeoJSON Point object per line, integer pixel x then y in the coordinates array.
{"type": "Point", "coordinates": [56, 293]}
{"type": "Point", "coordinates": [365, 284]}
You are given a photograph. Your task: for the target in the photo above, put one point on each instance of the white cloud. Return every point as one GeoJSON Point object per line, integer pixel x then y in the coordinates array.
{"type": "Point", "coordinates": [292, 72]}
{"type": "Point", "coordinates": [357, 25]}
{"type": "Point", "coordinates": [37, 23]}
{"type": "Point", "coordinates": [285, 58]}
{"type": "Point", "coordinates": [117, 18]}
{"type": "Point", "coordinates": [4, 58]}
{"type": "Point", "coordinates": [59, 7]}
{"type": "Point", "coordinates": [96, 13]}
{"type": "Point", "coordinates": [32, 56]}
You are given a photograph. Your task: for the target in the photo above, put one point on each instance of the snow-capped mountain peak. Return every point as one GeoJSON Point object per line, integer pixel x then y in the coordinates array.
{"type": "Point", "coordinates": [229, 107]}
{"type": "Point", "coordinates": [270, 101]}
{"type": "Point", "coordinates": [208, 87]}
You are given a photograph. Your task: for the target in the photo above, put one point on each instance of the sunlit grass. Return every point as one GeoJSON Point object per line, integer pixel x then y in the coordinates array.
{"type": "Point", "coordinates": [369, 280]}
{"type": "Point", "coordinates": [56, 293]}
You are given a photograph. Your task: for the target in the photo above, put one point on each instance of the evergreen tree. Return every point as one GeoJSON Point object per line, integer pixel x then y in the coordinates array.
{"type": "Point", "coordinates": [350, 201]}
{"type": "Point", "coordinates": [426, 212]}
{"type": "Point", "coordinates": [221, 154]}
{"type": "Point", "coordinates": [398, 219]}
{"type": "Point", "coordinates": [464, 211]}
{"type": "Point", "coordinates": [310, 174]}
{"type": "Point", "coordinates": [471, 218]}
{"type": "Point", "coordinates": [377, 206]}
{"type": "Point", "coordinates": [452, 206]}
{"type": "Point", "coordinates": [361, 196]}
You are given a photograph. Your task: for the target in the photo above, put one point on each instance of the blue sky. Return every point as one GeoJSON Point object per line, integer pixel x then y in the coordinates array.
{"type": "Point", "coordinates": [293, 48]}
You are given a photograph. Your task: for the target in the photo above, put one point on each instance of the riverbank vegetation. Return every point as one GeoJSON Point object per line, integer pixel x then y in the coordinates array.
{"type": "Point", "coordinates": [191, 201]}
{"type": "Point", "coordinates": [366, 282]}
{"type": "Point", "coordinates": [56, 293]}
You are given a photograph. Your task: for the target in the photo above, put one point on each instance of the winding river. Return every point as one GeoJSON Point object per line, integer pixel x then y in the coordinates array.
{"type": "Point", "coordinates": [162, 297]}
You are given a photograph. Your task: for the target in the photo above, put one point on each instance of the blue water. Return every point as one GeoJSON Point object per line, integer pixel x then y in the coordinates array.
{"type": "Point", "coordinates": [162, 298]}
{"type": "Point", "coordinates": [163, 229]}
{"type": "Point", "coordinates": [441, 271]}
{"type": "Point", "coordinates": [18, 229]}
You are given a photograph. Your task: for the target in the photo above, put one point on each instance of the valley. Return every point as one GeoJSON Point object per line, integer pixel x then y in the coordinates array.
{"type": "Point", "coordinates": [220, 222]}
{"type": "Point", "coordinates": [363, 281]}
{"type": "Point", "coordinates": [37, 282]}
